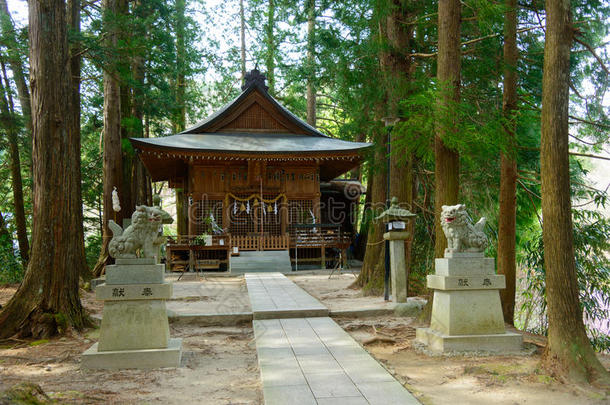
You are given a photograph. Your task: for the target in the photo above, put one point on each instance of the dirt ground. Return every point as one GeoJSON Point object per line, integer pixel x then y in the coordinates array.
{"type": "Point", "coordinates": [335, 293]}
{"type": "Point", "coordinates": [219, 364]}
{"type": "Point", "coordinates": [436, 380]}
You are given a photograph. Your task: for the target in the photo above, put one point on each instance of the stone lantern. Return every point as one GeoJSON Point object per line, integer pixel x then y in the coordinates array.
{"type": "Point", "coordinates": [396, 220]}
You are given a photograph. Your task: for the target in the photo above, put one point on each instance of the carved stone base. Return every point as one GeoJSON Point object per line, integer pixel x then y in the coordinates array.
{"type": "Point", "coordinates": [435, 341]}
{"type": "Point", "coordinates": [466, 312]}
{"type": "Point", "coordinates": [135, 329]}
{"type": "Point", "coordinates": [141, 359]}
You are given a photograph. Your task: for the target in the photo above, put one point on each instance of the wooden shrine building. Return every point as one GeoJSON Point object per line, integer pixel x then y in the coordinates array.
{"type": "Point", "coordinates": [256, 177]}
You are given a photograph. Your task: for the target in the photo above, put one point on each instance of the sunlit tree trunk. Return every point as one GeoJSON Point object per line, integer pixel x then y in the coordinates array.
{"type": "Point", "coordinates": [568, 346]}
{"type": "Point", "coordinates": [508, 167]}
{"type": "Point", "coordinates": [446, 160]}
{"type": "Point", "coordinates": [47, 301]}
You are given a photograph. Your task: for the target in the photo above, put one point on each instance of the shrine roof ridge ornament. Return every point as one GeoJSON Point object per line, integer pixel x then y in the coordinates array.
{"type": "Point", "coordinates": [255, 77]}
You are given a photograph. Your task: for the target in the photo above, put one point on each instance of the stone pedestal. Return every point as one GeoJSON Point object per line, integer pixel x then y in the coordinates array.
{"type": "Point", "coordinates": [398, 267]}
{"type": "Point", "coordinates": [135, 328]}
{"type": "Point", "coordinates": [466, 312]}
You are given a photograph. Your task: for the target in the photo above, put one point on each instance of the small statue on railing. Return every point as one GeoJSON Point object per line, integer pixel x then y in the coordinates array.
{"type": "Point", "coordinates": [461, 234]}
{"type": "Point", "coordinates": [141, 238]}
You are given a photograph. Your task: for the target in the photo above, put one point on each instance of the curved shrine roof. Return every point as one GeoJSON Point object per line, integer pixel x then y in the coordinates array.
{"type": "Point", "coordinates": [250, 143]}
{"type": "Point", "coordinates": [252, 126]}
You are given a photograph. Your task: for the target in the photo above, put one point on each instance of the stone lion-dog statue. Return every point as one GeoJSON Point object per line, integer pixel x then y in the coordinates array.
{"type": "Point", "coordinates": [461, 234]}
{"type": "Point", "coordinates": [141, 238]}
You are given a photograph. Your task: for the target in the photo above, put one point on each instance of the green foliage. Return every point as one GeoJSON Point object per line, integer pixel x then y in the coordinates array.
{"type": "Point", "coordinates": [591, 244]}
{"type": "Point", "coordinates": [11, 270]}
{"type": "Point", "coordinates": [93, 244]}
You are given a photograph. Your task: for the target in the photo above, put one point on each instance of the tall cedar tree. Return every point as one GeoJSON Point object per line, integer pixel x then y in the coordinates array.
{"type": "Point", "coordinates": [508, 166]}
{"type": "Point", "coordinates": [179, 119]}
{"type": "Point", "coordinates": [73, 17]}
{"type": "Point", "coordinates": [141, 189]}
{"type": "Point", "coordinates": [113, 163]}
{"type": "Point", "coordinates": [446, 160]}
{"type": "Point", "coordinates": [568, 347]}
{"type": "Point", "coordinates": [371, 278]}
{"type": "Point", "coordinates": [397, 69]}
{"type": "Point", "coordinates": [47, 301]}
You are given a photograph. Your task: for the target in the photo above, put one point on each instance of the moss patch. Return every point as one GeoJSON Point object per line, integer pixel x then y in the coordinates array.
{"type": "Point", "coordinates": [25, 394]}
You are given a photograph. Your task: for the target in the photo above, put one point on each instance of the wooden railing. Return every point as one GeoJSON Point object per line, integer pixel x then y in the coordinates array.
{"type": "Point", "coordinates": [244, 242]}
{"type": "Point", "coordinates": [322, 236]}
{"type": "Point", "coordinates": [276, 242]}
{"type": "Point", "coordinates": [253, 242]}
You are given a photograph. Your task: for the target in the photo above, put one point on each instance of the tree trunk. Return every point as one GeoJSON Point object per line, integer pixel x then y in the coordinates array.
{"type": "Point", "coordinates": [180, 118]}
{"type": "Point", "coordinates": [365, 220]}
{"type": "Point", "coordinates": [568, 347]}
{"type": "Point", "coordinates": [447, 161]}
{"type": "Point", "coordinates": [371, 277]}
{"type": "Point", "coordinates": [9, 125]}
{"type": "Point", "coordinates": [47, 301]}
{"type": "Point", "coordinates": [125, 77]}
{"type": "Point", "coordinates": [141, 190]}
{"type": "Point", "coordinates": [113, 162]}
{"type": "Point", "coordinates": [270, 42]}
{"type": "Point", "coordinates": [73, 10]}
{"type": "Point", "coordinates": [180, 121]}
{"type": "Point", "coordinates": [508, 167]}
{"type": "Point", "coordinates": [242, 35]}
{"type": "Point", "coordinates": [311, 89]}
{"type": "Point", "coordinates": [397, 67]}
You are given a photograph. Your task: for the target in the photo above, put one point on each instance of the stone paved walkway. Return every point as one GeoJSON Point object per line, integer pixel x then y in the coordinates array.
{"type": "Point", "coordinates": [312, 360]}
{"type": "Point", "coordinates": [273, 296]}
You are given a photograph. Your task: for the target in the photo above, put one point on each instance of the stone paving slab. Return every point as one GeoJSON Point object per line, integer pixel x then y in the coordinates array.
{"type": "Point", "coordinates": [314, 361]}
{"type": "Point", "coordinates": [274, 296]}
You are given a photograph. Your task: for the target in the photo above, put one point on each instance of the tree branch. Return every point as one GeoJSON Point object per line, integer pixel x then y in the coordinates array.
{"type": "Point", "coordinates": [595, 55]}
{"type": "Point", "coordinates": [473, 41]}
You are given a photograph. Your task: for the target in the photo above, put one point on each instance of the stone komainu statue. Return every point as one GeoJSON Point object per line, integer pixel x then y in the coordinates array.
{"type": "Point", "coordinates": [462, 235]}
{"type": "Point", "coordinates": [142, 236]}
